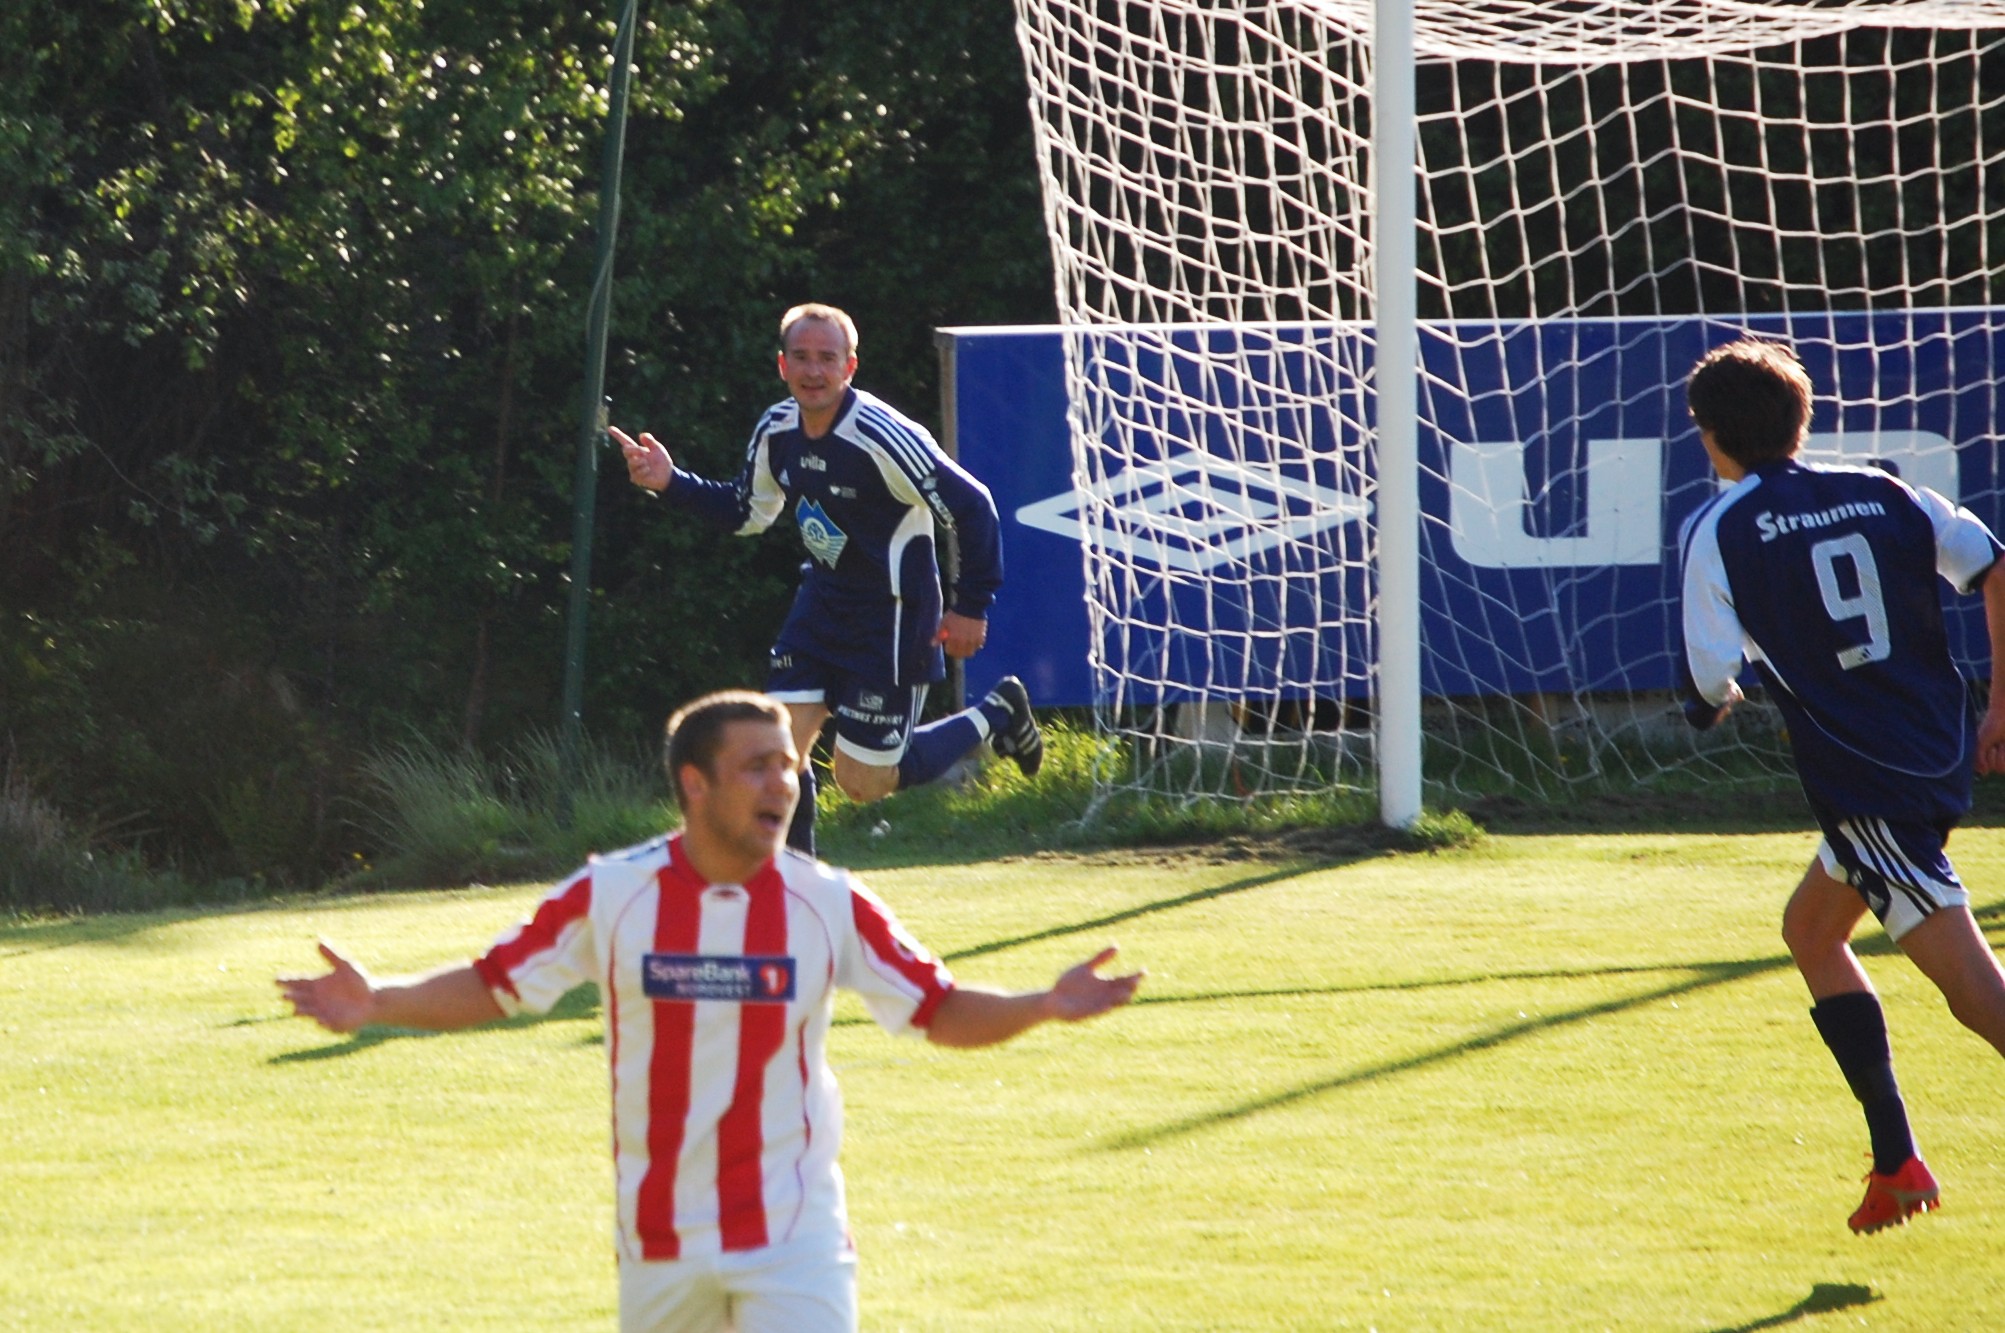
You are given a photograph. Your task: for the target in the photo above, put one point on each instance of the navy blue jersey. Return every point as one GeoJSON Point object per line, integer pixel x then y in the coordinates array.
{"type": "Point", "coordinates": [1825, 578]}
{"type": "Point", "coordinates": [869, 499]}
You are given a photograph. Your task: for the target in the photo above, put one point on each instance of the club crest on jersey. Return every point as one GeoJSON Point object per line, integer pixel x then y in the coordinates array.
{"type": "Point", "coordinates": [819, 533]}
{"type": "Point", "coordinates": [740, 979]}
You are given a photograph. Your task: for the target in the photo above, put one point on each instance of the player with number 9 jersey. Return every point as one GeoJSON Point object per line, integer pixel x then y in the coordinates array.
{"type": "Point", "coordinates": [1830, 580]}
{"type": "Point", "coordinates": [1825, 577]}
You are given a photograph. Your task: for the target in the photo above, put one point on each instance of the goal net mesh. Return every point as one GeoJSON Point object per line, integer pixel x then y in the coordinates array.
{"type": "Point", "coordinates": [1604, 191]}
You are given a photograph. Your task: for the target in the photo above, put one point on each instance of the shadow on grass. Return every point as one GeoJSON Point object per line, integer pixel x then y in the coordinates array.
{"type": "Point", "coordinates": [1773, 808]}
{"type": "Point", "coordinates": [1443, 983]}
{"type": "Point", "coordinates": [1824, 1298]}
{"type": "Point", "coordinates": [1703, 976]}
{"type": "Point", "coordinates": [1145, 909]}
{"type": "Point", "coordinates": [1707, 976]}
{"type": "Point", "coordinates": [44, 934]}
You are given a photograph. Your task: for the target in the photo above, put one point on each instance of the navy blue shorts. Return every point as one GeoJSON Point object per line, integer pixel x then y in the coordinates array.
{"type": "Point", "coordinates": [873, 722]}
{"type": "Point", "coordinates": [1899, 866]}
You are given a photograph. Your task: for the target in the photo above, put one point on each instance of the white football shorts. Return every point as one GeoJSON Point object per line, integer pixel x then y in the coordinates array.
{"type": "Point", "coordinates": [803, 1287]}
{"type": "Point", "coordinates": [1899, 867]}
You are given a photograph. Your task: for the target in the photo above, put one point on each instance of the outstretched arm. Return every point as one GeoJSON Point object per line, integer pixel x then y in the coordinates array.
{"type": "Point", "coordinates": [348, 998]}
{"type": "Point", "coordinates": [970, 1016]}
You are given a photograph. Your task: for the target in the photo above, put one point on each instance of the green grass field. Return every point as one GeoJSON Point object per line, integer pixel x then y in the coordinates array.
{"type": "Point", "coordinates": [1544, 1082]}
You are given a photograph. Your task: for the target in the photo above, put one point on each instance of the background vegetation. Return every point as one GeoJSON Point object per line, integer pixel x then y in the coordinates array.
{"type": "Point", "coordinates": [291, 328]}
{"type": "Point", "coordinates": [291, 319]}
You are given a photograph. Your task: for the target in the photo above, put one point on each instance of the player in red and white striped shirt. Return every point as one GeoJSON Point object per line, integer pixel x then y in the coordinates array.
{"type": "Point", "coordinates": [717, 954]}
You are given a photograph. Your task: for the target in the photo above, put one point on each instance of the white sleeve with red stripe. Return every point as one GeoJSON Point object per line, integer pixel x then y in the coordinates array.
{"type": "Point", "coordinates": [540, 961]}
{"type": "Point", "coordinates": [899, 981]}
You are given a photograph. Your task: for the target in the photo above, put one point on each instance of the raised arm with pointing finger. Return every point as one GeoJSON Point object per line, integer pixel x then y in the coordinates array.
{"type": "Point", "coordinates": [873, 498]}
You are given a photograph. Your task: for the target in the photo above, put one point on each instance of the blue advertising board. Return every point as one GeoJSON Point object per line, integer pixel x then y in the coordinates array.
{"type": "Point", "coordinates": [1557, 465]}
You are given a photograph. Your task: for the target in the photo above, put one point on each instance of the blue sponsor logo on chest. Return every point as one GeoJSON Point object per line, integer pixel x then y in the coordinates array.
{"type": "Point", "coordinates": [742, 979]}
{"type": "Point", "coordinates": [819, 533]}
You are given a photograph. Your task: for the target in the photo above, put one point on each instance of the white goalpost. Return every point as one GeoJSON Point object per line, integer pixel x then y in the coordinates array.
{"type": "Point", "coordinates": [1376, 319]}
{"type": "Point", "coordinates": [1395, 313]}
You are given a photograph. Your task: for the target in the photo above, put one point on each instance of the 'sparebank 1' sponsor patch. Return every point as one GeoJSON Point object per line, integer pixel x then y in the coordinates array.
{"type": "Point", "coordinates": [744, 979]}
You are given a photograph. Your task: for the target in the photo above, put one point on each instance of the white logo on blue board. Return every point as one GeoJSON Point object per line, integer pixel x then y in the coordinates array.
{"type": "Point", "coordinates": [1490, 503]}
{"type": "Point", "coordinates": [1489, 495]}
{"type": "Point", "coordinates": [819, 533]}
{"type": "Point", "coordinates": [1195, 511]}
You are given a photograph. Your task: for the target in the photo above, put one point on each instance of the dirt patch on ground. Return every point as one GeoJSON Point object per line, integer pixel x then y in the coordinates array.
{"type": "Point", "coordinates": [1321, 844]}
{"type": "Point", "coordinates": [1728, 810]}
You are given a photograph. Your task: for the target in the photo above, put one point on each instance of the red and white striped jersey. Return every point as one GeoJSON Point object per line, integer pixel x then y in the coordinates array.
{"type": "Point", "coordinates": [718, 998]}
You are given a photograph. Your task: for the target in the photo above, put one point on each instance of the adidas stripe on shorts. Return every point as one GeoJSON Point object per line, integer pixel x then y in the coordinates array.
{"type": "Point", "coordinates": [1898, 866]}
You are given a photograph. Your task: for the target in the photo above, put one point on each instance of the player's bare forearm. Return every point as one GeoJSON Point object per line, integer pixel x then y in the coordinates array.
{"type": "Point", "coordinates": [971, 1016]}
{"type": "Point", "coordinates": [1991, 730]}
{"type": "Point", "coordinates": [440, 1001]}
{"type": "Point", "coordinates": [347, 999]}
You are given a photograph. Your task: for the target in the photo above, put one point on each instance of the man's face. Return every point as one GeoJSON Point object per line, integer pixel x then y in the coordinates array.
{"type": "Point", "coordinates": [817, 364]}
{"type": "Point", "coordinates": [743, 806]}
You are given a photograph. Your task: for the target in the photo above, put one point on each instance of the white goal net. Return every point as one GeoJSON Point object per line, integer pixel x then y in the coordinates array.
{"type": "Point", "coordinates": [1604, 190]}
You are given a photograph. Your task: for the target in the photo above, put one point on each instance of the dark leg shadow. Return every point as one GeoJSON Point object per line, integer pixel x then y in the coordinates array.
{"type": "Point", "coordinates": [1824, 1298]}
{"type": "Point", "coordinates": [1707, 975]}
{"type": "Point", "coordinates": [1145, 909]}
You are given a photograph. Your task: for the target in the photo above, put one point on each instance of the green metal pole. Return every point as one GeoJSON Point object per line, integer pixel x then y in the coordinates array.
{"type": "Point", "coordinates": [592, 433]}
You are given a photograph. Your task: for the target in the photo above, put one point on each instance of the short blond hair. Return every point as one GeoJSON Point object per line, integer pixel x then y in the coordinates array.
{"type": "Point", "coordinates": [828, 314]}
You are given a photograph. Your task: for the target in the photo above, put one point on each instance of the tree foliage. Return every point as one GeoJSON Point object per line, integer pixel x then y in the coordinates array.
{"type": "Point", "coordinates": [291, 325]}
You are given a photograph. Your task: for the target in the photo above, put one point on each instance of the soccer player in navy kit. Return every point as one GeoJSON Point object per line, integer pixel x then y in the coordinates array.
{"type": "Point", "coordinates": [869, 490]}
{"type": "Point", "coordinates": [1825, 578]}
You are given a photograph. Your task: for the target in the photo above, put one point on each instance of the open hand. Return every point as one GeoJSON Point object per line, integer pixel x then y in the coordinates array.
{"type": "Point", "coordinates": [1081, 992]}
{"type": "Point", "coordinates": [342, 1000]}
